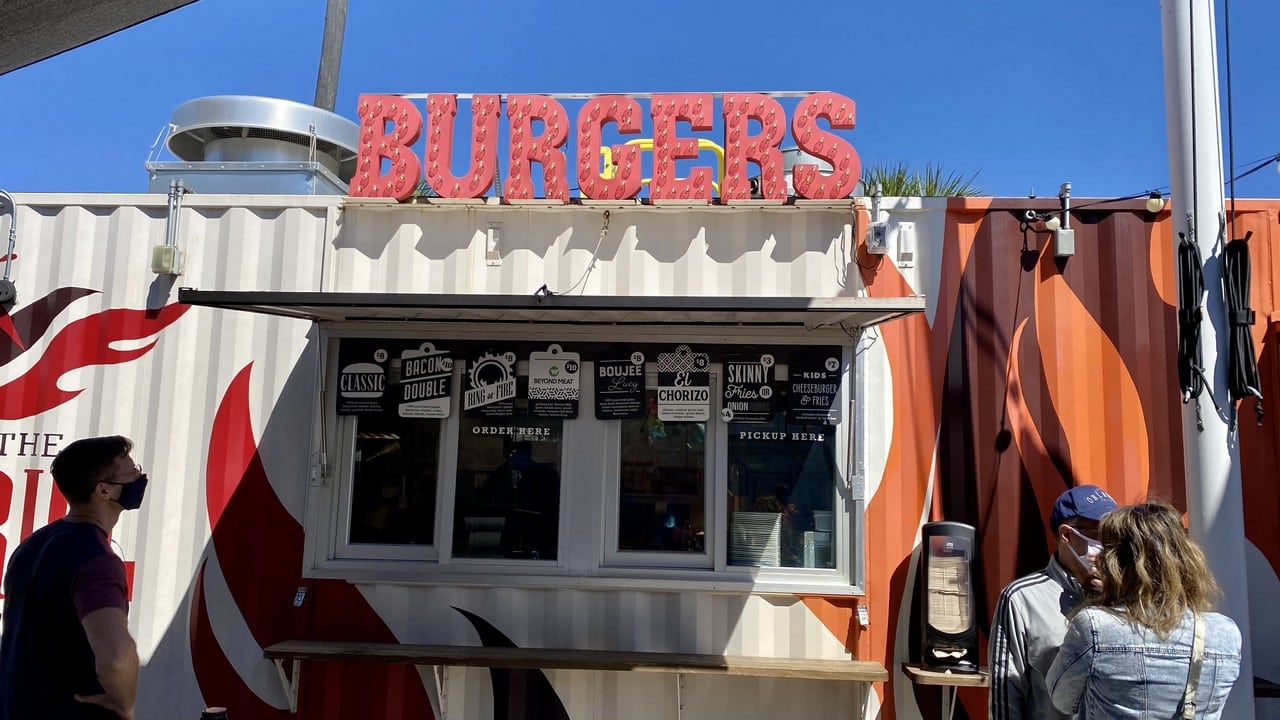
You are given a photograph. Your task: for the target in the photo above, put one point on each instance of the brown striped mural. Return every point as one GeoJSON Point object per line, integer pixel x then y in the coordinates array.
{"type": "Point", "coordinates": [1039, 373]}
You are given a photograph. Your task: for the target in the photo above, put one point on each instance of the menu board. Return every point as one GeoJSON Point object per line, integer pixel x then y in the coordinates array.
{"type": "Point", "coordinates": [426, 377]}
{"type": "Point", "coordinates": [684, 386]}
{"type": "Point", "coordinates": [362, 377]}
{"type": "Point", "coordinates": [553, 383]}
{"type": "Point", "coordinates": [813, 388]}
{"type": "Point", "coordinates": [748, 389]}
{"type": "Point", "coordinates": [491, 385]}
{"type": "Point", "coordinates": [620, 388]}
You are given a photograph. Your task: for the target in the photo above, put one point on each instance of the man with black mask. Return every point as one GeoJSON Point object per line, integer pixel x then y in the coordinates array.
{"type": "Point", "coordinates": [66, 651]}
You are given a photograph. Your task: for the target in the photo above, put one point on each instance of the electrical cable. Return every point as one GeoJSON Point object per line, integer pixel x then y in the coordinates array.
{"type": "Point", "coordinates": [1190, 290]}
{"type": "Point", "coordinates": [1243, 380]}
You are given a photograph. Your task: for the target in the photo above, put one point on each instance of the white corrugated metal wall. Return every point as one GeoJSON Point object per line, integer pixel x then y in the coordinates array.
{"type": "Point", "coordinates": [166, 399]}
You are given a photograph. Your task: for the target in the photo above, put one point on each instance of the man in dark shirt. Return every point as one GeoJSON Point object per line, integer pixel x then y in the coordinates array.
{"type": "Point", "coordinates": [66, 651]}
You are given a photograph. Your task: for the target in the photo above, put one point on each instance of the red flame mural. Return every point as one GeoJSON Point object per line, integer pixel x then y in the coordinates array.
{"type": "Point", "coordinates": [81, 343]}
{"type": "Point", "coordinates": [259, 547]}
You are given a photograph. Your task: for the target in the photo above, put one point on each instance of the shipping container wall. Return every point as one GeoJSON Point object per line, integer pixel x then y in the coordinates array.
{"type": "Point", "coordinates": [1032, 373]}
{"type": "Point", "coordinates": [642, 251]}
{"type": "Point", "coordinates": [1027, 374]}
{"type": "Point", "coordinates": [96, 344]}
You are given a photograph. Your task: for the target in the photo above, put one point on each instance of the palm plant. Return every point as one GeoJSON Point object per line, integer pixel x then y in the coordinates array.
{"type": "Point", "coordinates": [900, 179]}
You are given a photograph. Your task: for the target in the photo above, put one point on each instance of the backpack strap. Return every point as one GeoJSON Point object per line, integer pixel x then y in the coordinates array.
{"type": "Point", "coordinates": [1193, 669]}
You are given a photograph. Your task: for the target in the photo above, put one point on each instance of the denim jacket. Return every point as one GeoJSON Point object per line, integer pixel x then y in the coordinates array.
{"type": "Point", "coordinates": [1109, 667]}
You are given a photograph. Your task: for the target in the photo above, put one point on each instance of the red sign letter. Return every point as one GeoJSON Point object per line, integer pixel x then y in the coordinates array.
{"type": "Point", "coordinates": [806, 179]}
{"type": "Point", "coordinates": [482, 161]}
{"type": "Point", "coordinates": [592, 117]}
{"type": "Point", "coordinates": [527, 149]}
{"type": "Point", "coordinates": [762, 149]}
{"type": "Point", "coordinates": [376, 144]}
{"type": "Point", "coordinates": [668, 147]}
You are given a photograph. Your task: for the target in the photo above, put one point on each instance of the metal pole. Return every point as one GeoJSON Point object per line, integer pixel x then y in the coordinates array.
{"type": "Point", "coordinates": [335, 27]}
{"type": "Point", "coordinates": [1215, 508]}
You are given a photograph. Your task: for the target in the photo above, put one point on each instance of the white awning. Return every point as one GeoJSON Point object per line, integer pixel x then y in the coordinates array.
{"type": "Point", "coordinates": [793, 312]}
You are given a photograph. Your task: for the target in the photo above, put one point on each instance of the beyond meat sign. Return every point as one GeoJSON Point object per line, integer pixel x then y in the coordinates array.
{"type": "Point", "coordinates": [754, 129]}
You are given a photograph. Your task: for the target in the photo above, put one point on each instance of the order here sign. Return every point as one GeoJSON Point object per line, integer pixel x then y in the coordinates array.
{"type": "Point", "coordinates": [755, 126]}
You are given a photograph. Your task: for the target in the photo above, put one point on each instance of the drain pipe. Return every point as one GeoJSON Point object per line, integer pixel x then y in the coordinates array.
{"type": "Point", "coordinates": [8, 292]}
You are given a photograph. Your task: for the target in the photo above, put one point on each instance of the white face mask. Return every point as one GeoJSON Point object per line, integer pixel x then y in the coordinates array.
{"type": "Point", "coordinates": [1091, 554]}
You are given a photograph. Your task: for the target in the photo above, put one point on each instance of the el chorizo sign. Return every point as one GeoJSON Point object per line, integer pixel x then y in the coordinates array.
{"type": "Point", "coordinates": [390, 125]}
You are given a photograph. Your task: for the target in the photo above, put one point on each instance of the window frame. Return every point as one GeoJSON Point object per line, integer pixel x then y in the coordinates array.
{"type": "Point", "coordinates": [589, 482]}
{"type": "Point", "coordinates": [611, 472]}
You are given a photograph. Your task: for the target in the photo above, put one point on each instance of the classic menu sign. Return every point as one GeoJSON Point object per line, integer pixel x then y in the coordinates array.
{"type": "Point", "coordinates": [389, 165]}
{"type": "Point", "coordinates": [748, 389]}
{"type": "Point", "coordinates": [362, 377]}
{"type": "Point", "coordinates": [491, 385]}
{"type": "Point", "coordinates": [814, 388]}
{"type": "Point", "coordinates": [620, 387]}
{"type": "Point", "coordinates": [553, 383]}
{"type": "Point", "coordinates": [684, 385]}
{"type": "Point", "coordinates": [426, 375]}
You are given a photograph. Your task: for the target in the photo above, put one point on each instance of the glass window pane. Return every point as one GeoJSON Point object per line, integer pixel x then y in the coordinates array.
{"type": "Point", "coordinates": [781, 493]}
{"type": "Point", "coordinates": [508, 486]}
{"type": "Point", "coordinates": [393, 496]}
{"type": "Point", "coordinates": [662, 492]}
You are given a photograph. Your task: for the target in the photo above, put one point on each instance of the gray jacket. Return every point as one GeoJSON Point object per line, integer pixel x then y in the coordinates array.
{"type": "Point", "coordinates": [1029, 624]}
{"type": "Point", "coordinates": [1112, 668]}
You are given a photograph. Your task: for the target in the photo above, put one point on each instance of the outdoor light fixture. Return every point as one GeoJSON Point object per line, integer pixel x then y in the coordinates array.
{"type": "Point", "coordinates": [1064, 238]}
{"type": "Point", "coordinates": [1058, 222]}
{"type": "Point", "coordinates": [878, 231]}
{"type": "Point", "coordinates": [1155, 202]}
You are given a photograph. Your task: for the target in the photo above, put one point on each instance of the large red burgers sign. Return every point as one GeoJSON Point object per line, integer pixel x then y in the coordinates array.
{"type": "Point", "coordinates": [755, 126]}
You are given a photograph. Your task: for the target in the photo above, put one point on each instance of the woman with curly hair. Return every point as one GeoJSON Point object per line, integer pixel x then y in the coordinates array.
{"type": "Point", "coordinates": [1131, 649]}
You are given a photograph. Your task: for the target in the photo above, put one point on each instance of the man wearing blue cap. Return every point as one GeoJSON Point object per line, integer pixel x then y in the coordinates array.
{"type": "Point", "coordinates": [1031, 615]}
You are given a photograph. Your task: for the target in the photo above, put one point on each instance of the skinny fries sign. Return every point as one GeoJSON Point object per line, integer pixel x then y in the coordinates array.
{"type": "Point", "coordinates": [390, 125]}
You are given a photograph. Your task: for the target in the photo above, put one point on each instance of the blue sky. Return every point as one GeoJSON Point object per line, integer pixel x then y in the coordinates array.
{"type": "Point", "coordinates": [1026, 94]}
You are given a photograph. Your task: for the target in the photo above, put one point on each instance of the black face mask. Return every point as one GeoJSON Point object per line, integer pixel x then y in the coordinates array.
{"type": "Point", "coordinates": [131, 493]}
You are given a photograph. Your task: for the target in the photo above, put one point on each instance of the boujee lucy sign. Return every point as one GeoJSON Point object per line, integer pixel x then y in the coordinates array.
{"type": "Point", "coordinates": [390, 125]}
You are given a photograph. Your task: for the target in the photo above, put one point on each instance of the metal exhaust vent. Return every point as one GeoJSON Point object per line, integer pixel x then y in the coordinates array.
{"type": "Point", "coordinates": [255, 145]}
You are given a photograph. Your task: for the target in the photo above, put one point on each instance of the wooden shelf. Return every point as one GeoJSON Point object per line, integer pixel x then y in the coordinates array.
{"type": "Point", "coordinates": [920, 676]}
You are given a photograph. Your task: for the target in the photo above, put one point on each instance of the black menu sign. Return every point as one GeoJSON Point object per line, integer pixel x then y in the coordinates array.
{"type": "Point", "coordinates": [362, 377]}
{"type": "Point", "coordinates": [491, 385]}
{"type": "Point", "coordinates": [814, 388]}
{"type": "Point", "coordinates": [553, 383]}
{"type": "Point", "coordinates": [684, 385]}
{"type": "Point", "coordinates": [620, 387]}
{"type": "Point", "coordinates": [748, 389]}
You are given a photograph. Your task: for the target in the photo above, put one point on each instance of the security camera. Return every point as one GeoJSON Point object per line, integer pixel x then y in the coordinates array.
{"type": "Point", "coordinates": [1030, 216]}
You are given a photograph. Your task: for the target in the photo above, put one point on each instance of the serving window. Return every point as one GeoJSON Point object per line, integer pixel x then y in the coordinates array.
{"type": "Point", "coordinates": [507, 496]}
{"type": "Point", "coordinates": [733, 472]}
{"type": "Point", "coordinates": [782, 481]}
{"type": "Point", "coordinates": [393, 480]}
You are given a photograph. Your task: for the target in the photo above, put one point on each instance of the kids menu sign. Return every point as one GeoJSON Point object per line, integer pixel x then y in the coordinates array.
{"type": "Point", "coordinates": [539, 129]}
{"type": "Point", "coordinates": [813, 388]}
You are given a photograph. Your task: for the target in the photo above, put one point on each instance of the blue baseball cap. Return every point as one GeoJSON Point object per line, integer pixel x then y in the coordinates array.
{"type": "Point", "coordinates": [1083, 501]}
